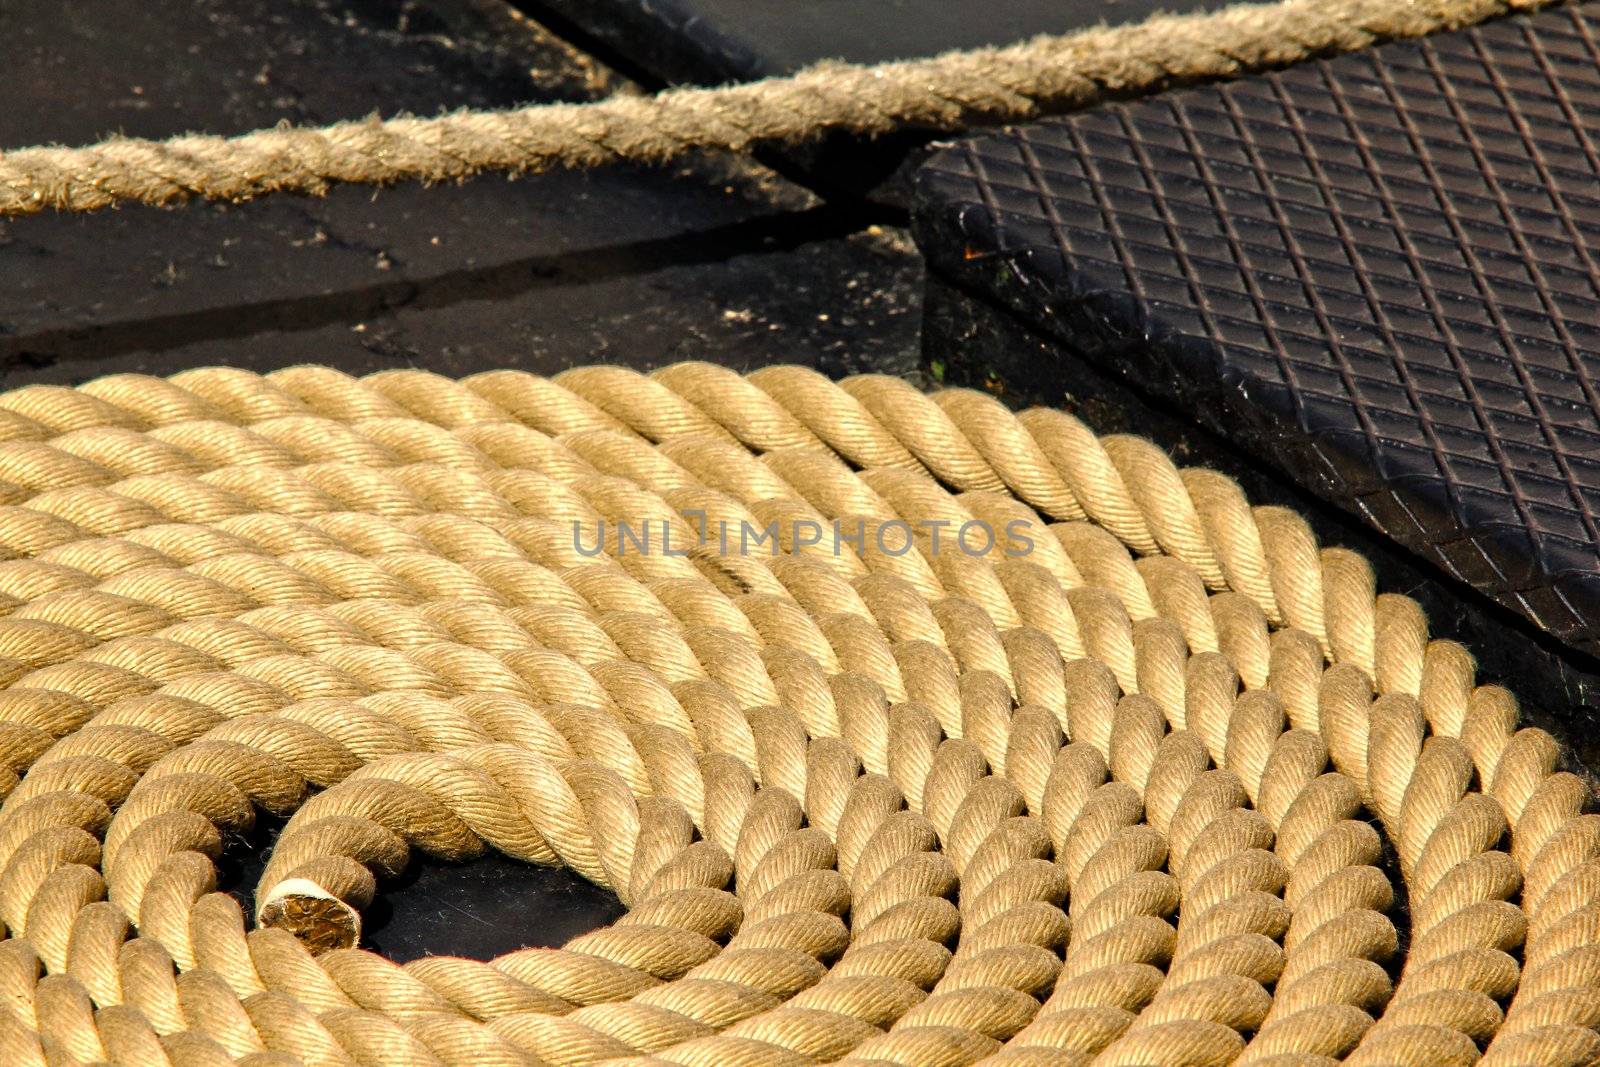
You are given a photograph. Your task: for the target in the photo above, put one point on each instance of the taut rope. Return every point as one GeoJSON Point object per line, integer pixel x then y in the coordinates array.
{"type": "Point", "coordinates": [1176, 786]}
{"type": "Point", "coordinates": [948, 92]}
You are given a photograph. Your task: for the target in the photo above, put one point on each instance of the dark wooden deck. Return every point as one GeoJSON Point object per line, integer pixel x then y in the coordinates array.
{"type": "Point", "coordinates": [716, 259]}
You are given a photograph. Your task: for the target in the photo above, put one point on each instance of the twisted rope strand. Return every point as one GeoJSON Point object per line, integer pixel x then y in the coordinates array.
{"type": "Point", "coordinates": [1123, 799]}
{"type": "Point", "coordinates": [947, 92]}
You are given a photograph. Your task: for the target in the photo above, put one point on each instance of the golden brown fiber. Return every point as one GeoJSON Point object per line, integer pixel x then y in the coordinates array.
{"type": "Point", "coordinates": [1174, 786]}
{"type": "Point", "coordinates": [948, 92]}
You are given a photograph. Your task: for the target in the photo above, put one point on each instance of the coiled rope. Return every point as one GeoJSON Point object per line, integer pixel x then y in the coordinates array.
{"type": "Point", "coordinates": [948, 92]}
{"type": "Point", "coordinates": [1175, 787]}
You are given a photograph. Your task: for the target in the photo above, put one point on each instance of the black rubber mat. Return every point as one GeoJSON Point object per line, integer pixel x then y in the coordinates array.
{"type": "Point", "coordinates": [1380, 273]}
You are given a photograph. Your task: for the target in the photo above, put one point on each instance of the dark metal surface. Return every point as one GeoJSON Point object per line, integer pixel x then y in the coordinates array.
{"type": "Point", "coordinates": [1378, 273]}
{"type": "Point", "coordinates": [712, 41]}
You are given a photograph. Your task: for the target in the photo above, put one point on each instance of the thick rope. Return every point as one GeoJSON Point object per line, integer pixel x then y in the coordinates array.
{"type": "Point", "coordinates": [948, 92]}
{"type": "Point", "coordinates": [1173, 787]}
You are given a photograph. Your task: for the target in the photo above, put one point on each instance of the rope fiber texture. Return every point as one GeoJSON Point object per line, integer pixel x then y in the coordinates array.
{"type": "Point", "coordinates": [1176, 787]}
{"type": "Point", "coordinates": [948, 92]}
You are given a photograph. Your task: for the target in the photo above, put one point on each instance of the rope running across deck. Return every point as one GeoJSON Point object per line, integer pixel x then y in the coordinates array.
{"type": "Point", "coordinates": [947, 92]}
{"type": "Point", "coordinates": [1176, 787]}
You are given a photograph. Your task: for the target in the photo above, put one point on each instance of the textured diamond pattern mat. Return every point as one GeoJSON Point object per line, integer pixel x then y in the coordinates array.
{"type": "Point", "coordinates": [1379, 272]}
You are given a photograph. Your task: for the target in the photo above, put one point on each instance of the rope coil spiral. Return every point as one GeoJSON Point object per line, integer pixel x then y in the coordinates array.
{"type": "Point", "coordinates": [1177, 787]}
